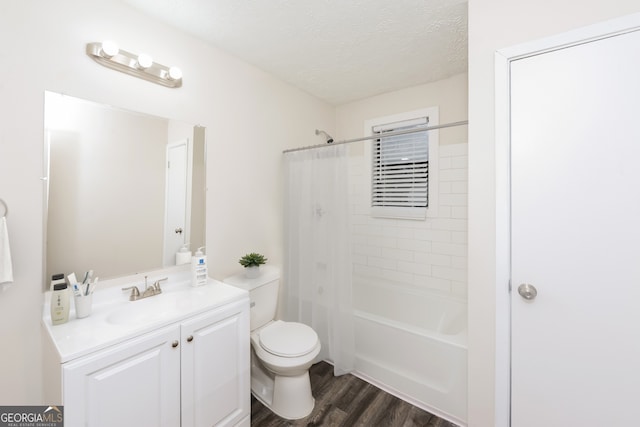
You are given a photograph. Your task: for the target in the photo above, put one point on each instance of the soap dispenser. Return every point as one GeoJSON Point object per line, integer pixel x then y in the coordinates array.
{"type": "Point", "coordinates": [199, 268]}
{"type": "Point", "coordinates": [183, 256]}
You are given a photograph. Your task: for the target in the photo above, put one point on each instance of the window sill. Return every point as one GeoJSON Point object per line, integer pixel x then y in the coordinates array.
{"type": "Point", "coordinates": [398, 212]}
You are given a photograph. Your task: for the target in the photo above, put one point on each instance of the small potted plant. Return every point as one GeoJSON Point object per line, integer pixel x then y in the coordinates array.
{"type": "Point", "coordinates": [252, 262]}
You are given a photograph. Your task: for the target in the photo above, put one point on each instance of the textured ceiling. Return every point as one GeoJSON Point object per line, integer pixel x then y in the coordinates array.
{"type": "Point", "coordinates": [336, 50]}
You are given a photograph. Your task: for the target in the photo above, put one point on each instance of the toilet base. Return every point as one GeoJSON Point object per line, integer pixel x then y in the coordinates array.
{"type": "Point", "coordinates": [287, 397]}
{"type": "Point", "coordinates": [292, 397]}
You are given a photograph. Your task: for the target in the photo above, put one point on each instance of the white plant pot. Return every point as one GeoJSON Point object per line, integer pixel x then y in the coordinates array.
{"type": "Point", "coordinates": [252, 272]}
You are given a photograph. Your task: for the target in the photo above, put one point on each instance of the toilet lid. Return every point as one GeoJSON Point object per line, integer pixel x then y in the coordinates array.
{"type": "Point", "coordinates": [288, 339]}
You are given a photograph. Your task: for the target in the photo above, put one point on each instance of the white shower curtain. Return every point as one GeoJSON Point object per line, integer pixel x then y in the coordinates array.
{"type": "Point", "coordinates": [318, 269]}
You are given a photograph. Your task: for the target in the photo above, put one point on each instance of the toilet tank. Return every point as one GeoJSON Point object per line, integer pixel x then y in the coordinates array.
{"type": "Point", "coordinates": [263, 294]}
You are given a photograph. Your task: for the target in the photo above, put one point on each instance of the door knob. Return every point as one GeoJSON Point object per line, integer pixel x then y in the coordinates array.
{"type": "Point", "coordinates": [527, 291]}
{"type": "Point", "coordinates": [179, 230]}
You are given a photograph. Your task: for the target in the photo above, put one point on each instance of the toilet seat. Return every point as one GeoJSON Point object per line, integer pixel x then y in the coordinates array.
{"type": "Point", "coordinates": [288, 339]}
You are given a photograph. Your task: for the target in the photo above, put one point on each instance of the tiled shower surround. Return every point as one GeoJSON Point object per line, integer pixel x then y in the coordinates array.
{"type": "Point", "coordinates": [410, 291]}
{"type": "Point", "coordinates": [415, 255]}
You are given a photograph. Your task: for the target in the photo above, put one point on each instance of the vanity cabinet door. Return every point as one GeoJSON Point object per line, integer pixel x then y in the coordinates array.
{"type": "Point", "coordinates": [215, 367]}
{"type": "Point", "coordinates": [136, 383]}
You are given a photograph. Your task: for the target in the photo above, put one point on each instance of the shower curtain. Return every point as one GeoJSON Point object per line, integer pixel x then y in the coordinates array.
{"type": "Point", "coordinates": [318, 269]}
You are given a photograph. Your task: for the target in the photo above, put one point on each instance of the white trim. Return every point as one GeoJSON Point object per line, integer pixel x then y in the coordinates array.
{"type": "Point", "coordinates": [432, 113]}
{"type": "Point", "coordinates": [503, 248]}
{"type": "Point", "coordinates": [575, 37]}
{"type": "Point", "coordinates": [424, 120]}
{"type": "Point", "coordinates": [397, 212]}
{"type": "Point", "coordinates": [503, 59]}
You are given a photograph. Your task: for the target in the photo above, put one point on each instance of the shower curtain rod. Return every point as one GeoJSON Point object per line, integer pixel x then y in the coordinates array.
{"type": "Point", "coordinates": [398, 132]}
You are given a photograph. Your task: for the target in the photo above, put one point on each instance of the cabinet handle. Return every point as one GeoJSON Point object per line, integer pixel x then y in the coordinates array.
{"type": "Point", "coordinates": [190, 338]}
{"type": "Point", "coordinates": [174, 344]}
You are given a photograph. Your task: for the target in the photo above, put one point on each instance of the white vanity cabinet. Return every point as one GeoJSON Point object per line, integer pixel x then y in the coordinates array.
{"type": "Point", "coordinates": [215, 376]}
{"type": "Point", "coordinates": [193, 372]}
{"type": "Point", "coordinates": [136, 383]}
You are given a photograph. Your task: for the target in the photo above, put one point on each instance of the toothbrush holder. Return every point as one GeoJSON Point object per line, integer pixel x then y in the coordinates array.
{"type": "Point", "coordinates": [83, 305]}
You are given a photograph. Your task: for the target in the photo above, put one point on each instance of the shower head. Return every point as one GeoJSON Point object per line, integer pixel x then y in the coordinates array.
{"type": "Point", "coordinates": [326, 135]}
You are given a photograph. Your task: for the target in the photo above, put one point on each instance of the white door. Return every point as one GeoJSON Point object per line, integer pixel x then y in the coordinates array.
{"type": "Point", "coordinates": [176, 233]}
{"type": "Point", "coordinates": [575, 200]}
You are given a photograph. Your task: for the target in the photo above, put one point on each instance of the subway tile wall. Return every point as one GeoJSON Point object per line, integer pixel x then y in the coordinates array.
{"type": "Point", "coordinates": [416, 255]}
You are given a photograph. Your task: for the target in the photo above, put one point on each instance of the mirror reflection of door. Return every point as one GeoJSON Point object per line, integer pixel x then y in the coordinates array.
{"type": "Point", "coordinates": [176, 225]}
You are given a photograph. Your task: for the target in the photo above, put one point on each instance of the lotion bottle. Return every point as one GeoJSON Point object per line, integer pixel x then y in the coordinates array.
{"type": "Point", "coordinates": [199, 268]}
{"type": "Point", "coordinates": [60, 304]}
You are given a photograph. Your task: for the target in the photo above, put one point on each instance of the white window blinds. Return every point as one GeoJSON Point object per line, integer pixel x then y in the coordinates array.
{"type": "Point", "coordinates": [400, 170]}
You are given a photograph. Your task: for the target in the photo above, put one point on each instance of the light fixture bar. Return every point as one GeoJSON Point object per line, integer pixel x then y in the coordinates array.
{"type": "Point", "coordinates": [127, 62]}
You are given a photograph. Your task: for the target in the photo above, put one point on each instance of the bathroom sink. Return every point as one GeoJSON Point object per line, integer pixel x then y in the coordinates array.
{"type": "Point", "coordinates": [155, 308]}
{"type": "Point", "coordinates": [138, 314]}
{"type": "Point", "coordinates": [115, 319]}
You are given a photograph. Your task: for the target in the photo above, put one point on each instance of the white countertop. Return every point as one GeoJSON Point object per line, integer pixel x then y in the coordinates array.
{"type": "Point", "coordinates": [115, 319]}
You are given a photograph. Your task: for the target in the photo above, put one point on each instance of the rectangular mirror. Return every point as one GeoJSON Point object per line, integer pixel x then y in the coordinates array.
{"type": "Point", "coordinates": [124, 192]}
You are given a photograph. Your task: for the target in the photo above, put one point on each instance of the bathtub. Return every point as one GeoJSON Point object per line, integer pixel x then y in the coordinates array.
{"type": "Point", "coordinates": [419, 355]}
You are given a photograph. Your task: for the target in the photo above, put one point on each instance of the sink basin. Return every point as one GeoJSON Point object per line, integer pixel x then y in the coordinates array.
{"type": "Point", "coordinates": [155, 308]}
{"type": "Point", "coordinates": [139, 314]}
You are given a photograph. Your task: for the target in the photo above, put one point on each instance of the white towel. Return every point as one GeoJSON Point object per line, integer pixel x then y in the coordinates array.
{"type": "Point", "coordinates": [6, 270]}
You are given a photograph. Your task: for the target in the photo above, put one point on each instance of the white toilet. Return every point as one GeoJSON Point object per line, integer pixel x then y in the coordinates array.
{"type": "Point", "coordinates": [281, 352]}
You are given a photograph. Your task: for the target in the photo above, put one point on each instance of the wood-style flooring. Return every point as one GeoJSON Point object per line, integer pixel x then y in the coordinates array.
{"type": "Point", "coordinates": [348, 401]}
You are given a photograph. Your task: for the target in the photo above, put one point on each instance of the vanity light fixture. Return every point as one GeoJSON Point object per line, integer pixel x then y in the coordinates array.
{"type": "Point", "coordinates": [144, 61]}
{"type": "Point", "coordinates": [175, 73]}
{"type": "Point", "coordinates": [108, 54]}
{"type": "Point", "coordinates": [109, 48]}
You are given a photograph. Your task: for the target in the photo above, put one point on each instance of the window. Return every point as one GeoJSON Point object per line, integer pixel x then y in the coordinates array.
{"type": "Point", "coordinates": [401, 171]}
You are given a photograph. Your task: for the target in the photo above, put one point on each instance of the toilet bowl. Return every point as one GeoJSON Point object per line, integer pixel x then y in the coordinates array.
{"type": "Point", "coordinates": [281, 352]}
{"type": "Point", "coordinates": [285, 352]}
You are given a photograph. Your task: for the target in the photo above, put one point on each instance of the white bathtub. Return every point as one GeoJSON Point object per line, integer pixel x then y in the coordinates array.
{"type": "Point", "coordinates": [420, 355]}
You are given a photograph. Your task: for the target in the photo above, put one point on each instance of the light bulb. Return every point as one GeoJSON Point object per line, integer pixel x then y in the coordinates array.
{"type": "Point", "coordinates": [144, 61]}
{"type": "Point", "coordinates": [175, 73]}
{"type": "Point", "coordinates": [109, 48]}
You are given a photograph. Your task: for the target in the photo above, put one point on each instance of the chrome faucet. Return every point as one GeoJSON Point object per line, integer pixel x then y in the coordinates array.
{"type": "Point", "coordinates": [149, 291]}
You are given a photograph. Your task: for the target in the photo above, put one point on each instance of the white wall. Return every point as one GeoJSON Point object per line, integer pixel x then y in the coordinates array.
{"type": "Point", "coordinates": [449, 94]}
{"type": "Point", "coordinates": [250, 117]}
{"type": "Point", "coordinates": [496, 24]}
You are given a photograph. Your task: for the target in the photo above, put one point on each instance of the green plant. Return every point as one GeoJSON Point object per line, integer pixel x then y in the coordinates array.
{"type": "Point", "coordinates": [252, 260]}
